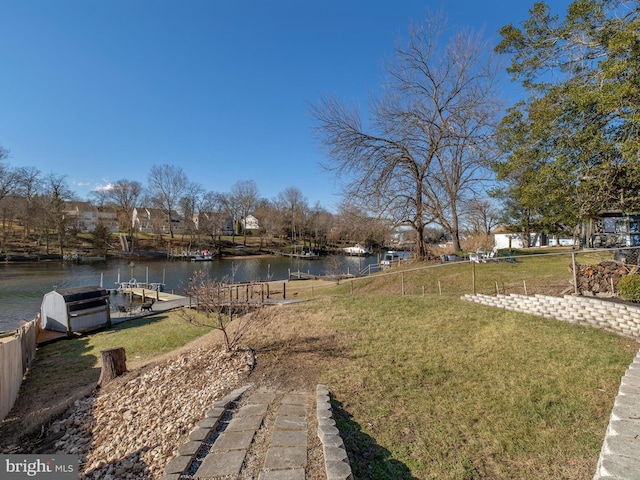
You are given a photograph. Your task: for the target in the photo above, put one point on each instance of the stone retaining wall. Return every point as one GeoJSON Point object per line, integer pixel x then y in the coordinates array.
{"type": "Point", "coordinates": [620, 454]}
{"type": "Point", "coordinates": [336, 460]}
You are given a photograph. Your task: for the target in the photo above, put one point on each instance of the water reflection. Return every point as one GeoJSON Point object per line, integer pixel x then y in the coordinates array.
{"type": "Point", "coordinates": [22, 286]}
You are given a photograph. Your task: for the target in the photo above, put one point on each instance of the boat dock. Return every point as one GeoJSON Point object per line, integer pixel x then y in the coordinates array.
{"type": "Point", "coordinates": [305, 255]}
{"type": "Point", "coordinates": [147, 293]}
{"type": "Point", "coordinates": [303, 276]}
{"type": "Point", "coordinates": [198, 256]}
{"type": "Point", "coordinates": [135, 285]}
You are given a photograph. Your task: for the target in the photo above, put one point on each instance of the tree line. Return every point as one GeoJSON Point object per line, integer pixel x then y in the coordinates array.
{"type": "Point", "coordinates": [437, 144]}
{"type": "Point", "coordinates": [438, 150]}
{"type": "Point", "coordinates": [37, 202]}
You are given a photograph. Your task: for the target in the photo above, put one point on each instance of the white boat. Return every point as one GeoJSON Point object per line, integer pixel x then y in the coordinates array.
{"type": "Point", "coordinates": [205, 256]}
{"type": "Point", "coordinates": [357, 250]}
{"type": "Point", "coordinates": [202, 258]}
{"type": "Point", "coordinates": [390, 257]}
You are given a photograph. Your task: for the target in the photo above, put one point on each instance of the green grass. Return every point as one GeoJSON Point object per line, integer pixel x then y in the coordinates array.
{"type": "Point", "coordinates": [142, 339]}
{"type": "Point", "coordinates": [69, 364]}
{"type": "Point", "coordinates": [545, 272]}
{"type": "Point", "coordinates": [427, 386]}
{"type": "Point", "coordinates": [147, 337]}
{"type": "Point", "coordinates": [452, 390]}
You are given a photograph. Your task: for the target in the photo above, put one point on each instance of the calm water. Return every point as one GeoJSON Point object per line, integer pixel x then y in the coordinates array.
{"type": "Point", "coordinates": [22, 286]}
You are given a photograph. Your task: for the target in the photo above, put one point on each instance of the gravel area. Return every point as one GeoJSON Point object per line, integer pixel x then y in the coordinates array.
{"type": "Point", "coordinates": [132, 427]}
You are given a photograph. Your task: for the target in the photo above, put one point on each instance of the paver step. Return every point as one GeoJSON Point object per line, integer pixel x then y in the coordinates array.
{"type": "Point", "coordinates": [273, 425]}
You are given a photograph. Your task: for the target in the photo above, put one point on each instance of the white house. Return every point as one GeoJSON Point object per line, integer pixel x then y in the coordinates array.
{"type": "Point", "coordinates": [85, 217]}
{"type": "Point", "coordinates": [503, 240]}
{"type": "Point", "coordinates": [250, 223]}
{"type": "Point", "coordinates": [514, 240]}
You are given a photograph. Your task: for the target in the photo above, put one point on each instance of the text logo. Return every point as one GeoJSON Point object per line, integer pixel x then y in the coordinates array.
{"type": "Point", "coordinates": [58, 467]}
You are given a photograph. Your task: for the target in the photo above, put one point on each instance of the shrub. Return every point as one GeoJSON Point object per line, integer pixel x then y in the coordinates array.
{"type": "Point", "coordinates": [629, 287]}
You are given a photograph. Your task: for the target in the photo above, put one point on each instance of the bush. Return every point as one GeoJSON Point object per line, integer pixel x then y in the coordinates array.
{"type": "Point", "coordinates": [629, 287]}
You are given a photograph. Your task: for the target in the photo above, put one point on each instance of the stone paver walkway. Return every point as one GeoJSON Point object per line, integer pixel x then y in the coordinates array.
{"type": "Point", "coordinates": [256, 434]}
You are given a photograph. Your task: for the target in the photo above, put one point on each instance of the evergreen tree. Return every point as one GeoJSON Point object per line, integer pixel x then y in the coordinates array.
{"type": "Point", "coordinates": [572, 146]}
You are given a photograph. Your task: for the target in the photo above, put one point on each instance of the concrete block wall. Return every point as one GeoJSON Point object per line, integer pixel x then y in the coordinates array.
{"type": "Point", "coordinates": [615, 317]}
{"type": "Point", "coordinates": [620, 453]}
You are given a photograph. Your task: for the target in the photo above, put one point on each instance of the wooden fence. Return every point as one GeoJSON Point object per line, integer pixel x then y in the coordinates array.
{"type": "Point", "coordinates": [16, 354]}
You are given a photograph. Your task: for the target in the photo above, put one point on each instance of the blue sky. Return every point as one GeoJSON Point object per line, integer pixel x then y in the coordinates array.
{"type": "Point", "coordinates": [100, 90]}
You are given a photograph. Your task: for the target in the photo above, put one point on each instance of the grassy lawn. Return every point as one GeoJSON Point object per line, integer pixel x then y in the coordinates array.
{"type": "Point", "coordinates": [451, 390]}
{"type": "Point", "coordinates": [143, 339]}
{"type": "Point", "coordinates": [545, 272]}
{"type": "Point", "coordinates": [435, 387]}
{"type": "Point", "coordinates": [424, 385]}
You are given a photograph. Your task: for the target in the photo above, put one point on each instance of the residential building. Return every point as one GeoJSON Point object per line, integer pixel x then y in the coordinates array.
{"type": "Point", "coordinates": [154, 220]}
{"type": "Point", "coordinates": [85, 217]}
{"type": "Point", "coordinates": [213, 223]}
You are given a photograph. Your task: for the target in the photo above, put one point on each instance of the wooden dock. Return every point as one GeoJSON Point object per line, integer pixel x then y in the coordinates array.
{"type": "Point", "coordinates": [302, 276]}
{"type": "Point", "coordinates": [149, 294]}
{"type": "Point", "coordinates": [301, 255]}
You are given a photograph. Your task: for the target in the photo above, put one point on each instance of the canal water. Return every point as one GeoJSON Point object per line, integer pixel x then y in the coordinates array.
{"type": "Point", "coordinates": [22, 285]}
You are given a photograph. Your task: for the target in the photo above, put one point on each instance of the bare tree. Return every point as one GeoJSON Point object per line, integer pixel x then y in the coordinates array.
{"type": "Point", "coordinates": [8, 176]}
{"type": "Point", "coordinates": [270, 221]}
{"type": "Point", "coordinates": [98, 197]}
{"type": "Point", "coordinates": [351, 222]}
{"type": "Point", "coordinates": [244, 199]}
{"type": "Point", "coordinates": [166, 184]}
{"type": "Point", "coordinates": [125, 195]}
{"type": "Point", "coordinates": [10, 205]}
{"type": "Point", "coordinates": [214, 215]}
{"type": "Point", "coordinates": [481, 216]}
{"type": "Point", "coordinates": [216, 307]}
{"type": "Point", "coordinates": [320, 223]}
{"type": "Point", "coordinates": [57, 193]}
{"type": "Point", "coordinates": [428, 135]}
{"type": "Point", "coordinates": [355, 226]}
{"type": "Point", "coordinates": [190, 205]}
{"type": "Point", "coordinates": [294, 207]}
{"type": "Point", "coordinates": [29, 185]}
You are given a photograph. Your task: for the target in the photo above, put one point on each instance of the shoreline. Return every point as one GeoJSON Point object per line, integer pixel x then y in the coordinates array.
{"type": "Point", "coordinates": [21, 259]}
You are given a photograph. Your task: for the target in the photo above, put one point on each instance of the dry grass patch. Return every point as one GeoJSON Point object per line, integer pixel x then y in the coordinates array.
{"type": "Point", "coordinates": [298, 346]}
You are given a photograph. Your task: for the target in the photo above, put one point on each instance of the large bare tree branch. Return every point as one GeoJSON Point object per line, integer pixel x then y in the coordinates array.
{"type": "Point", "coordinates": [428, 144]}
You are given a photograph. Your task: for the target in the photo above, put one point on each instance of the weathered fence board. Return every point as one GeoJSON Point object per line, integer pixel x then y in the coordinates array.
{"type": "Point", "coordinates": [16, 354]}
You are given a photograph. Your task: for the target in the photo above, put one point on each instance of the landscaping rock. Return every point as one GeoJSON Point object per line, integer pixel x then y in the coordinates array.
{"type": "Point", "coordinates": [134, 427]}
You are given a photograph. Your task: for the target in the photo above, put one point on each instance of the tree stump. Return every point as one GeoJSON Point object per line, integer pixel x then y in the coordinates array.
{"type": "Point", "coordinates": [114, 363]}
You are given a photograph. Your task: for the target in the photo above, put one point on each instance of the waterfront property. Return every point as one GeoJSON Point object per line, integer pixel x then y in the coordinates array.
{"type": "Point", "coordinates": [22, 285]}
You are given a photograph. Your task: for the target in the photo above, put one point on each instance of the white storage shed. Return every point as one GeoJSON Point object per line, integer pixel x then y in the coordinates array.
{"type": "Point", "coordinates": [75, 309]}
